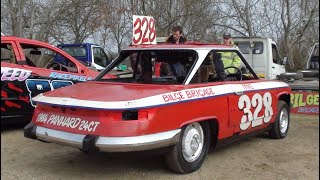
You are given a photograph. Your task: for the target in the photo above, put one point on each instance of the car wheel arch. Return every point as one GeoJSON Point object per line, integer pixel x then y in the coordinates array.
{"type": "Point", "coordinates": [284, 97]}
{"type": "Point", "coordinates": [213, 124]}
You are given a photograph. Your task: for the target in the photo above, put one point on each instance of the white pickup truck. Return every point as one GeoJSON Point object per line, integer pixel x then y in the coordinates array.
{"type": "Point", "coordinates": [263, 56]}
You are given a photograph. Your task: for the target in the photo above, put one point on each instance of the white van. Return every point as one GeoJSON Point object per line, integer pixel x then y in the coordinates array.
{"type": "Point", "coordinates": [263, 56]}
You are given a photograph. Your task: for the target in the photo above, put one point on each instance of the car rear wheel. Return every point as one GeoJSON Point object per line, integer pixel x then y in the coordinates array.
{"type": "Point", "coordinates": [191, 150]}
{"type": "Point", "coordinates": [281, 125]}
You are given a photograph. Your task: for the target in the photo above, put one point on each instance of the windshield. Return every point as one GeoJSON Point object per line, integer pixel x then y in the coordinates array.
{"type": "Point", "coordinates": [151, 66]}
{"type": "Point", "coordinates": [75, 51]}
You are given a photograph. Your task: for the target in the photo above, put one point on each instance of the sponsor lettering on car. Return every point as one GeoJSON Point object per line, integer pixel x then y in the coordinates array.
{"type": "Point", "coordinates": [67, 121]}
{"type": "Point", "coordinates": [11, 74]}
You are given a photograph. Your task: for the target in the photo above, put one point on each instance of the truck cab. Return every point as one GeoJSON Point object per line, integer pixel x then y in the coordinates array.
{"type": "Point", "coordinates": [263, 56]}
{"type": "Point", "coordinates": [91, 54]}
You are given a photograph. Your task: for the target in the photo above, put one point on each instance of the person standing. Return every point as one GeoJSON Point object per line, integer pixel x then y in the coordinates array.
{"type": "Point", "coordinates": [177, 68]}
{"type": "Point", "coordinates": [229, 58]}
{"type": "Point", "coordinates": [176, 36]}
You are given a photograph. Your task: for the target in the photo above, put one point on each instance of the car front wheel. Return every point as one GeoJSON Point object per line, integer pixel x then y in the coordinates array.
{"type": "Point", "coordinates": [191, 150]}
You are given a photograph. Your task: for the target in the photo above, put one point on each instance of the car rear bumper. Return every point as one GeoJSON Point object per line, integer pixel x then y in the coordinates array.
{"type": "Point", "coordinates": [100, 143]}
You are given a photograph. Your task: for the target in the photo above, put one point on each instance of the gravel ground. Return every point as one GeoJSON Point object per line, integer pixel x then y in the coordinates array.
{"type": "Point", "coordinates": [295, 157]}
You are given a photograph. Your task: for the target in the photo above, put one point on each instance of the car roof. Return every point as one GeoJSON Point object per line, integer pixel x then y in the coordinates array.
{"type": "Point", "coordinates": [40, 43]}
{"type": "Point", "coordinates": [190, 46]}
{"type": "Point", "coordinates": [14, 38]}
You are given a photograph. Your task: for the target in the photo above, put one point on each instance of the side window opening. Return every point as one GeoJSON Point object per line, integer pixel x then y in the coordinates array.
{"type": "Point", "coordinates": [258, 48]}
{"type": "Point", "coordinates": [275, 55]}
{"type": "Point", "coordinates": [7, 53]}
{"type": "Point", "coordinates": [216, 67]}
{"type": "Point", "coordinates": [42, 57]}
{"type": "Point", "coordinates": [246, 47]}
{"type": "Point", "coordinates": [100, 57]}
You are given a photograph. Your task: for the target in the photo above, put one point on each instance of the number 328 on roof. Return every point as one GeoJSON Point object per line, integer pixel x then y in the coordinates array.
{"type": "Point", "coordinates": [144, 30]}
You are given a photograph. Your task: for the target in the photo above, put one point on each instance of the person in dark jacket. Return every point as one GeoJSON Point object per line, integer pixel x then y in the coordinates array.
{"type": "Point", "coordinates": [177, 36]}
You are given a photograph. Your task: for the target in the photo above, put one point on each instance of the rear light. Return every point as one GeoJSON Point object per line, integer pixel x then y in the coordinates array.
{"type": "Point", "coordinates": [134, 115]}
{"type": "Point", "coordinates": [130, 115]}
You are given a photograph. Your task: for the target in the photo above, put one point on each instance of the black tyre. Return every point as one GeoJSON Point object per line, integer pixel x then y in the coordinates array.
{"type": "Point", "coordinates": [191, 150]}
{"type": "Point", "coordinates": [281, 125]}
{"type": "Point", "coordinates": [291, 75]}
{"type": "Point", "coordinates": [309, 73]}
{"type": "Point", "coordinates": [305, 86]}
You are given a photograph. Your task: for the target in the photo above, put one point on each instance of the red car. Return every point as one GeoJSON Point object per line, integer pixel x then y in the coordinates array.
{"type": "Point", "coordinates": [192, 104]}
{"type": "Point", "coordinates": [30, 67]}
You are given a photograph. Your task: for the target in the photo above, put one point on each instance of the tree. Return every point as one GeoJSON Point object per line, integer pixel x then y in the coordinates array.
{"type": "Point", "coordinates": [78, 21]}
{"type": "Point", "coordinates": [296, 18]}
{"type": "Point", "coordinates": [293, 24]}
{"type": "Point", "coordinates": [15, 10]}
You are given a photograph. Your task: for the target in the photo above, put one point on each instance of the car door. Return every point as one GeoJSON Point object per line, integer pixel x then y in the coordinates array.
{"type": "Point", "coordinates": [49, 72]}
{"type": "Point", "coordinates": [100, 59]}
{"type": "Point", "coordinates": [250, 101]}
{"type": "Point", "coordinates": [14, 95]}
{"type": "Point", "coordinates": [250, 108]}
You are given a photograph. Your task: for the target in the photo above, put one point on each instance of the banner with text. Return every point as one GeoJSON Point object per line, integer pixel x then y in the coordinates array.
{"type": "Point", "coordinates": [305, 103]}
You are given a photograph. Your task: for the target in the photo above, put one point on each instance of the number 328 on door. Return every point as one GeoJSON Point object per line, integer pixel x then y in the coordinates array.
{"type": "Point", "coordinates": [256, 102]}
{"type": "Point", "coordinates": [144, 30]}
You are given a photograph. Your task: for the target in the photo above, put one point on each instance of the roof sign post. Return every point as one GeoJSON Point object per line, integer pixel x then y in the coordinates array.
{"type": "Point", "coordinates": [144, 30]}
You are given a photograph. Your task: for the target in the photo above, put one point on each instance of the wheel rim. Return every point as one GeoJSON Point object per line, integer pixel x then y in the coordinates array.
{"type": "Point", "coordinates": [284, 120]}
{"type": "Point", "coordinates": [192, 142]}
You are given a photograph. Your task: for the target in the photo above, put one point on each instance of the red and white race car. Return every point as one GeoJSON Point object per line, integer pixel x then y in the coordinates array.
{"type": "Point", "coordinates": [188, 104]}
{"type": "Point", "coordinates": [30, 67]}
